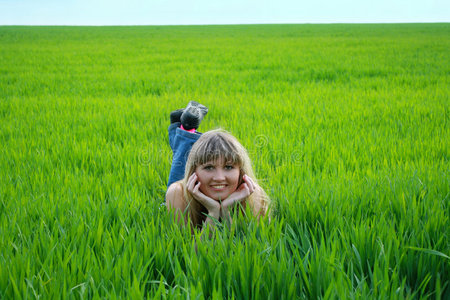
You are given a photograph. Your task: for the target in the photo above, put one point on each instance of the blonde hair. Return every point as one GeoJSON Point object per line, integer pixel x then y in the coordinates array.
{"type": "Point", "coordinates": [213, 146]}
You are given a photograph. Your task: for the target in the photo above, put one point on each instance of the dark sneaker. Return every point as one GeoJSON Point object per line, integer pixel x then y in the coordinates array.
{"type": "Point", "coordinates": [176, 115]}
{"type": "Point", "coordinates": [193, 114]}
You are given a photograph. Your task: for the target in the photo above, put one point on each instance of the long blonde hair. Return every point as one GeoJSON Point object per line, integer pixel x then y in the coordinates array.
{"type": "Point", "coordinates": [212, 146]}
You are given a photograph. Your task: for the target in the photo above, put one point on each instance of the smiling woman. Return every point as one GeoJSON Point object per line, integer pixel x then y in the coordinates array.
{"type": "Point", "coordinates": [218, 176]}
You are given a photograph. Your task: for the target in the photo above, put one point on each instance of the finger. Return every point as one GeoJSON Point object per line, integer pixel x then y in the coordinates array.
{"type": "Point", "coordinates": [199, 195]}
{"type": "Point", "coordinates": [202, 198]}
{"type": "Point", "coordinates": [191, 182]}
{"type": "Point", "coordinates": [196, 192]}
{"type": "Point", "coordinates": [197, 187]}
{"type": "Point", "coordinates": [242, 187]}
{"type": "Point", "coordinates": [251, 188]}
{"type": "Point", "coordinates": [248, 179]}
{"type": "Point", "coordinates": [193, 177]}
{"type": "Point", "coordinates": [245, 177]}
{"type": "Point", "coordinates": [252, 182]}
{"type": "Point", "coordinates": [247, 189]}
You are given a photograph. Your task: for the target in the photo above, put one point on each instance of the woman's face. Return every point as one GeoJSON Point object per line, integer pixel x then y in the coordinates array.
{"type": "Point", "coordinates": [218, 178]}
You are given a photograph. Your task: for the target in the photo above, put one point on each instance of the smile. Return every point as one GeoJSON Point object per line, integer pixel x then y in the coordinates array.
{"type": "Point", "coordinates": [218, 187]}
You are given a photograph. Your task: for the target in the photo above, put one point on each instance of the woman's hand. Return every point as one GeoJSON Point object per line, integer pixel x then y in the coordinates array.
{"type": "Point", "coordinates": [210, 204]}
{"type": "Point", "coordinates": [243, 191]}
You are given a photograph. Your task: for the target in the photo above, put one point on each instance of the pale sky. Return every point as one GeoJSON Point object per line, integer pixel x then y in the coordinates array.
{"type": "Point", "coordinates": [172, 12]}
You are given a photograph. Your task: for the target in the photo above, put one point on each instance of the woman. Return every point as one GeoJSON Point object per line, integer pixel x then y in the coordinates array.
{"type": "Point", "coordinates": [218, 175]}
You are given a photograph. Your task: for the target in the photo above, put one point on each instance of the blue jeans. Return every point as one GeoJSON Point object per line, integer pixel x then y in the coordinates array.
{"type": "Point", "coordinates": [181, 142]}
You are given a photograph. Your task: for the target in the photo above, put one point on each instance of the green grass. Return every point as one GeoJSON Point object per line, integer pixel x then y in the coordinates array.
{"type": "Point", "coordinates": [347, 126]}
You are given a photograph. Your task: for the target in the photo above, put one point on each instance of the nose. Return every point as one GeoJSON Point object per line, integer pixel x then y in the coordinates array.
{"type": "Point", "coordinates": [219, 175]}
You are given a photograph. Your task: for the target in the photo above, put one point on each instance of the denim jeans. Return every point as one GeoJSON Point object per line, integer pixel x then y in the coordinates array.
{"type": "Point", "coordinates": [181, 142]}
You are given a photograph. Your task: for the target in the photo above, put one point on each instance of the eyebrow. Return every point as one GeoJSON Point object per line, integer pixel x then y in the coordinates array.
{"type": "Point", "coordinates": [216, 162]}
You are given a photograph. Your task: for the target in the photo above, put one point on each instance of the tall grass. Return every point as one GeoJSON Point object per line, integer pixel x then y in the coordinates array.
{"type": "Point", "coordinates": [347, 126]}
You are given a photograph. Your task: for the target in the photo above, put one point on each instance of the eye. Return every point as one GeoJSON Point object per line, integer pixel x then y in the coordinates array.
{"type": "Point", "coordinates": [208, 167]}
{"type": "Point", "coordinates": [229, 167]}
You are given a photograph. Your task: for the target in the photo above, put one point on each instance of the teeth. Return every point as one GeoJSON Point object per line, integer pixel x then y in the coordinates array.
{"type": "Point", "coordinates": [218, 186]}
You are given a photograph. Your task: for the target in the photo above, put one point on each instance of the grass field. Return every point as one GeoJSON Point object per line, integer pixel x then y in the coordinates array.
{"type": "Point", "coordinates": [347, 126]}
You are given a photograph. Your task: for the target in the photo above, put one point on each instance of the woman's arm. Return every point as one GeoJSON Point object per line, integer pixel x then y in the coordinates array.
{"type": "Point", "coordinates": [246, 189]}
{"type": "Point", "coordinates": [175, 201]}
{"type": "Point", "coordinates": [256, 198]}
{"type": "Point", "coordinates": [211, 205]}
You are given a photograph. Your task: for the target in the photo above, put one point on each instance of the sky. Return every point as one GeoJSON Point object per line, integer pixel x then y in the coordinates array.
{"type": "Point", "coordinates": [184, 12]}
